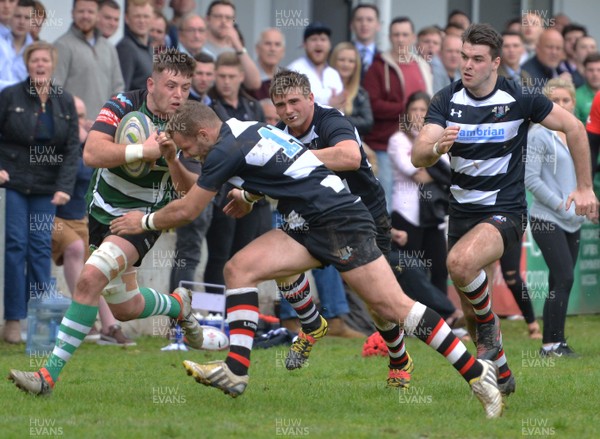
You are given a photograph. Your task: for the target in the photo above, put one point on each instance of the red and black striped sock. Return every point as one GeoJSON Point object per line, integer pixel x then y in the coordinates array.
{"type": "Point", "coordinates": [428, 326]}
{"type": "Point", "coordinates": [478, 294]}
{"type": "Point", "coordinates": [394, 339]}
{"type": "Point", "coordinates": [504, 372]}
{"type": "Point", "coordinates": [298, 295]}
{"type": "Point", "coordinates": [242, 317]}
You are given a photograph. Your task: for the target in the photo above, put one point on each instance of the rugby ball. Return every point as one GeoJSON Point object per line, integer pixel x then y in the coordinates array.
{"type": "Point", "coordinates": [135, 127]}
{"type": "Point", "coordinates": [214, 339]}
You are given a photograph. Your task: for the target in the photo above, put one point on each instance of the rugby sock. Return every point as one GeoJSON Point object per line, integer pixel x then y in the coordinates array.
{"type": "Point", "coordinates": [298, 295]}
{"type": "Point", "coordinates": [157, 304]}
{"type": "Point", "coordinates": [504, 372]}
{"type": "Point", "coordinates": [429, 327]}
{"type": "Point", "coordinates": [394, 339]}
{"type": "Point", "coordinates": [242, 316]}
{"type": "Point", "coordinates": [477, 293]}
{"type": "Point", "coordinates": [75, 325]}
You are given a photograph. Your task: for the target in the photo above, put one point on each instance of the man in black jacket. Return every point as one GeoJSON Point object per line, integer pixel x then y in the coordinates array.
{"type": "Point", "coordinates": [135, 52]}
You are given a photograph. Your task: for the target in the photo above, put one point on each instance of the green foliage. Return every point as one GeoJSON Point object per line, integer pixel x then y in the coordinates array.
{"type": "Point", "coordinates": [141, 392]}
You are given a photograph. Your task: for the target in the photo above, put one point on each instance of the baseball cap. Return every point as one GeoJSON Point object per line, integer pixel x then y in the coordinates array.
{"type": "Point", "coordinates": [315, 28]}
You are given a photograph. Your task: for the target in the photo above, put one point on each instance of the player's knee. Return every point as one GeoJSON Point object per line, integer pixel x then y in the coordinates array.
{"type": "Point", "coordinates": [109, 259]}
{"type": "Point", "coordinates": [90, 282]}
{"type": "Point", "coordinates": [459, 268]}
{"type": "Point", "coordinates": [241, 272]}
{"type": "Point", "coordinates": [74, 252]}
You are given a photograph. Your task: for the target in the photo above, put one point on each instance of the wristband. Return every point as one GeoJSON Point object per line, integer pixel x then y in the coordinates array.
{"type": "Point", "coordinates": [246, 199]}
{"type": "Point", "coordinates": [435, 150]}
{"type": "Point", "coordinates": [134, 152]}
{"type": "Point", "coordinates": [148, 222]}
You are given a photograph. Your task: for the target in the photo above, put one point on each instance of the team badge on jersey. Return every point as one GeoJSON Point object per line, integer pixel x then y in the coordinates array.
{"type": "Point", "coordinates": [500, 111]}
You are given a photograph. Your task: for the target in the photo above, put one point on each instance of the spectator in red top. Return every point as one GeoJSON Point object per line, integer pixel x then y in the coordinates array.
{"type": "Point", "coordinates": [593, 130]}
{"type": "Point", "coordinates": [393, 76]}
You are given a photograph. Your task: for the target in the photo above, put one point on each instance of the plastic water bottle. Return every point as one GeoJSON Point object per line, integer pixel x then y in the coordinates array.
{"type": "Point", "coordinates": [43, 320]}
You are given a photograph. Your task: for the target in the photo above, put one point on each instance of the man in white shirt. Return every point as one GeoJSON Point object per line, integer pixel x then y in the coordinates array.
{"type": "Point", "coordinates": [325, 81]}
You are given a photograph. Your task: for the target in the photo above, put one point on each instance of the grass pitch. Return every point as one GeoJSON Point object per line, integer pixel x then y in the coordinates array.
{"type": "Point", "coordinates": [141, 392]}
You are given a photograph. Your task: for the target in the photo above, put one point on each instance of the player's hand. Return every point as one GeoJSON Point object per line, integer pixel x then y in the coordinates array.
{"type": "Point", "coordinates": [128, 224]}
{"type": "Point", "coordinates": [60, 198]}
{"type": "Point", "coordinates": [167, 147]}
{"type": "Point", "coordinates": [4, 177]}
{"type": "Point", "coordinates": [585, 201]}
{"type": "Point", "coordinates": [237, 207]}
{"type": "Point", "coordinates": [151, 148]}
{"type": "Point", "coordinates": [448, 138]}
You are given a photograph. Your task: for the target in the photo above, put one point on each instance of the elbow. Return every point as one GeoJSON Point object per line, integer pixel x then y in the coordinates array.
{"type": "Point", "coordinates": [354, 161]}
{"type": "Point", "coordinates": [417, 162]}
{"type": "Point", "coordinates": [88, 158]}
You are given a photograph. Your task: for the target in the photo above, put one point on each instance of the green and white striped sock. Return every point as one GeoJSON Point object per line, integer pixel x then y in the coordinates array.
{"type": "Point", "coordinates": [75, 325]}
{"type": "Point", "coordinates": [157, 304]}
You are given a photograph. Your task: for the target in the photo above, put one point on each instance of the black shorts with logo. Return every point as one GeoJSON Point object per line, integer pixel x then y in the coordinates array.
{"type": "Point", "coordinates": [510, 226]}
{"type": "Point", "coordinates": [142, 242]}
{"type": "Point", "coordinates": [344, 238]}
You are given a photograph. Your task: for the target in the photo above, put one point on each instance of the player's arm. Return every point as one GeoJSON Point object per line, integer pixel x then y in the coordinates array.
{"type": "Point", "coordinates": [560, 119]}
{"type": "Point", "coordinates": [101, 151]}
{"type": "Point", "coordinates": [183, 180]}
{"type": "Point", "coordinates": [343, 156]}
{"type": "Point", "coordinates": [175, 214]}
{"type": "Point", "coordinates": [432, 142]}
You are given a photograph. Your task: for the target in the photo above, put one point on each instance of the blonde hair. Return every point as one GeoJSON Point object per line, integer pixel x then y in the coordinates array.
{"type": "Point", "coordinates": [41, 45]}
{"type": "Point", "coordinates": [354, 82]}
{"type": "Point", "coordinates": [565, 84]}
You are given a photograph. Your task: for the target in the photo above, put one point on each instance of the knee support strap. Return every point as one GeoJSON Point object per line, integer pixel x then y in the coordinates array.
{"type": "Point", "coordinates": [110, 259]}
{"type": "Point", "coordinates": [121, 289]}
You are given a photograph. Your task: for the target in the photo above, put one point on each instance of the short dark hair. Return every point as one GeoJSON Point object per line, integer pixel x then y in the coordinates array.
{"type": "Point", "coordinates": [95, 1]}
{"type": "Point", "coordinates": [456, 12]}
{"type": "Point", "coordinates": [190, 117]}
{"type": "Point", "coordinates": [429, 30]}
{"type": "Point", "coordinates": [364, 6]}
{"type": "Point", "coordinates": [204, 58]}
{"type": "Point", "coordinates": [512, 33]}
{"type": "Point", "coordinates": [486, 35]}
{"type": "Point", "coordinates": [574, 27]}
{"type": "Point", "coordinates": [403, 19]}
{"type": "Point", "coordinates": [110, 3]}
{"type": "Point", "coordinates": [453, 26]}
{"type": "Point", "coordinates": [174, 61]}
{"type": "Point", "coordinates": [219, 3]}
{"type": "Point", "coordinates": [591, 58]}
{"type": "Point", "coordinates": [285, 80]}
{"type": "Point", "coordinates": [228, 59]}
{"type": "Point", "coordinates": [26, 4]}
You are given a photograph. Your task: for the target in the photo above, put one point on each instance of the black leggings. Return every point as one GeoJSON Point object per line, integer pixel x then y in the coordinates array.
{"type": "Point", "coordinates": [560, 250]}
{"type": "Point", "coordinates": [510, 262]}
{"type": "Point", "coordinates": [427, 244]}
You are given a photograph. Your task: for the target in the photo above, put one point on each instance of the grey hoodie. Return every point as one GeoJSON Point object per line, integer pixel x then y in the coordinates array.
{"type": "Point", "coordinates": [550, 177]}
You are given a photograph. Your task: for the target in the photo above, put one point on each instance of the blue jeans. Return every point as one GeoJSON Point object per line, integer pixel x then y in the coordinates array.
{"type": "Point", "coordinates": [27, 257]}
{"type": "Point", "coordinates": [331, 293]}
{"type": "Point", "coordinates": [385, 176]}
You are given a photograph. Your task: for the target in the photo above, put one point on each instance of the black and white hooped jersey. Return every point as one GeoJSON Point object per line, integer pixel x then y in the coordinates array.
{"type": "Point", "coordinates": [264, 160]}
{"type": "Point", "coordinates": [329, 127]}
{"type": "Point", "coordinates": [488, 157]}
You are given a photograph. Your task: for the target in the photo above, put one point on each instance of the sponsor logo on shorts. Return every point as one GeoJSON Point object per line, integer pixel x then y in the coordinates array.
{"type": "Point", "coordinates": [499, 218]}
